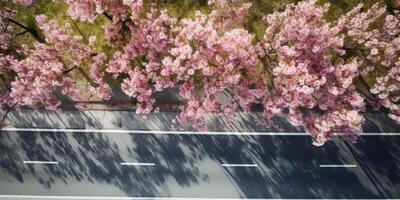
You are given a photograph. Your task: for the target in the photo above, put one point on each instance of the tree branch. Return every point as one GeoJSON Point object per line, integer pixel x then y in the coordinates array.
{"type": "Point", "coordinates": [85, 40]}
{"type": "Point", "coordinates": [68, 70]}
{"type": "Point", "coordinates": [390, 7]}
{"type": "Point", "coordinates": [267, 67]}
{"type": "Point", "coordinates": [108, 16]}
{"type": "Point", "coordinates": [4, 117]}
{"type": "Point", "coordinates": [21, 33]}
{"type": "Point", "coordinates": [33, 32]}
{"type": "Point", "coordinates": [86, 76]}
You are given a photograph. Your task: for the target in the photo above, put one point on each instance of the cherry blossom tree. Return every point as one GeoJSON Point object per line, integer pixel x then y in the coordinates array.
{"type": "Point", "coordinates": [384, 46]}
{"type": "Point", "coordinates": [150, 43]}
{"type": "Point", "coordinates": [379, 48]}
{"type": "Point", "coordinates": [306, 76]}
{"type": "Point", "coordinates": [122, 15]}
{"type": "Point", "coordinates": [5, 59]}
{"type": "Point", "coordinates": [210, 62]}
{"type": "Point", "coordinates": [8, 52]}
{"type": "Point", "coordinates": [190, 54]}
{"type": "Point", "coordinates": [41, 71]}
{"type": "Point", "coordinates": [322, 74]}
{"type": "Point", "coordinates": [305, 60]}
{"type": "Point", "coordinates": [48, 66]}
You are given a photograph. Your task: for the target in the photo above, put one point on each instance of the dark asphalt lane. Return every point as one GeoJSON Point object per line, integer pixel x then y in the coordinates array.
{"type": "Point", "coordinates": [201, 166]}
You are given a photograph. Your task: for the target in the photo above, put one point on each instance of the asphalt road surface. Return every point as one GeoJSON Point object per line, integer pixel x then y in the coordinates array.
{"type": "Point", "coordinates": [77, 165]}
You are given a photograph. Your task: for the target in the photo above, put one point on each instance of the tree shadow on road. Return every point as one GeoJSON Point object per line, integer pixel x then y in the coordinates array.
{"type": "Point", "coordinates": [288, 167]}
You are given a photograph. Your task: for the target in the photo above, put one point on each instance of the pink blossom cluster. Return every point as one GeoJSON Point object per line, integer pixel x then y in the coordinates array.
{"type": "Point", "coordinates": [5, 37]}
{"type": "Point", "coordinates": [42, 72]}
{"type": "Point", "coordinates": [75, 52]}
{"type": "Point", "coordinates": [305, 77]}
{"type": "Point", "coordinates": [141, 60]}
{"type": "Point", "coordinates": [97, 73]}
{"type": "Point", "coordinates": [342, 121]}
{"type": "Point", "coordinates": [304, 62]}
{"type": "Point", "coordinates": [6, 60]}
{"type": "Point", "coordinates": [123, 13]}
{"type": "Point", "coordinates": [196, 55]}
{"type": "Point", "coordinates": [88, 10]}
{"type": "Point", "coordinates": [229, 13]}
{"type": "Point", "coordinates": [387, 88]}
{"type": "Point", "coordinates": [22, 2]}
{"type": "Point", "coordinates": [384, 45]}
{"type": "Point", "coordinates": [210, 62]}
{"type": "Point", "coordinates": [357, 23]}
{"type": "Point", "coordinates": [213, 62]}
{"type": "Point", "coordinates": [37, 76]}
{"type": "Point", "coordinates": [62, 40]}
{"type": "Point", "coordinates": [379, 47]}
{"type": "Point", "coordinates": [5, 63]}
{"type": "Point", "coordinates": [5, 28]}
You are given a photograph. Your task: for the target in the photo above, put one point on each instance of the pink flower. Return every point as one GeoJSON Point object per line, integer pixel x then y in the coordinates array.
{"type": "Point", "coordinates": [306, 77]}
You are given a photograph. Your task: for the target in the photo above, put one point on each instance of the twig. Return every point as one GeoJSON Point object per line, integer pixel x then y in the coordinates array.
{"type": "Point", "coordinates": [86, 76]}
{"type": "Point", "coordinates": [80, 32]}
{"type": "Point", "coordinates": [33, 32]}
{"type": "Point", "coordinates": [108, 16]}
{"type": "Point", "coordinates": [68, 70]}
{"type": "Point", "coordinates": [23, 32]}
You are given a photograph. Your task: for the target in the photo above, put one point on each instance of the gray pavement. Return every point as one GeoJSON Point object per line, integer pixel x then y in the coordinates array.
{"type": "Point", "coordinates": [129, 120]}
{"type": "Point", "coordinates": [121, 165]}
{"type": "Point", "coordinates": [133, 165]}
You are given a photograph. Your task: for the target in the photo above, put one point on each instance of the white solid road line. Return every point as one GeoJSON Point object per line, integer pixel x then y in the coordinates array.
{"type": "Point", "coordinates": [134, 198]}
{"type": "Point", "coordinates": [119, 198]}
{"type": "Point", "coordinates": [156, 132]}
{"type": "Point", "coordinates": [159, 132]}
{"type": "Point", "coordinates": [137, 164]}
{"type": "Point", "coordinates": [239, 165]}
{"type": "Point", "coordinates": [337, 166]}
{"type": "Point", "coordinates": [40, 162]}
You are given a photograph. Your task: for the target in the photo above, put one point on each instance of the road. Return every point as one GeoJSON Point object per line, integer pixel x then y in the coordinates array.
{"type": "Point", "coordinates": [82, 165]}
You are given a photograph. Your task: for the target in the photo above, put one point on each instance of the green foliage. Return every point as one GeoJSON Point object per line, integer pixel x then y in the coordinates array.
{"type": "Point", "coordinates": [339, 7]}
{"type": "Point", "coordinates": [181, 8]}
{"type": "Point", "coordinates": [176, 8]}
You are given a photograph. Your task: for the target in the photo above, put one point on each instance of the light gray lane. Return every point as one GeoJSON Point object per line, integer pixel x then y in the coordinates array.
{"type": "Point", "coordinates": [197, 166]}
{"type": "Point", "coordinates": [128, 120]}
